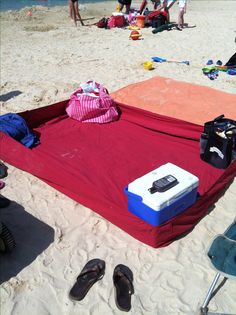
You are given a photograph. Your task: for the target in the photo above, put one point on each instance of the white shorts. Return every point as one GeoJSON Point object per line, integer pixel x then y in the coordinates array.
{"type": "Point", "coordinates": [182, 4]}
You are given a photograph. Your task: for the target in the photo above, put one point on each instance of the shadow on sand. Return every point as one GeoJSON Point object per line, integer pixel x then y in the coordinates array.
{"type": "Point", "coordinates": [186, 25]}
{"type": "Point", "coordinates": [32, 237]}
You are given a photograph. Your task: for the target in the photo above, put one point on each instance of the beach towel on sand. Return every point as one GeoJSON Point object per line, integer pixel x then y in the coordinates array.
{"type": "Point", "coordinates": [93, 163]}
{"type": "Point", "coordinates": [167, 96]}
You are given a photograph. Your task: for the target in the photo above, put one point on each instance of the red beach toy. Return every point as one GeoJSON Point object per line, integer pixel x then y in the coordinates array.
{"type": "Point", "coordinates": [135, 35]}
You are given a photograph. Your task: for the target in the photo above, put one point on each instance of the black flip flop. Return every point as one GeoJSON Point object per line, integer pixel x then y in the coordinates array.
{"type": "Point", "coordinates": [123, 282]}
{"type": "Point", "coordinates": [93, 271]}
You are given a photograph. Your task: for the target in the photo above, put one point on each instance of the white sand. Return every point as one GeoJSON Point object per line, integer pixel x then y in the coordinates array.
{"type": "Point", "coordinates": [44, 59]}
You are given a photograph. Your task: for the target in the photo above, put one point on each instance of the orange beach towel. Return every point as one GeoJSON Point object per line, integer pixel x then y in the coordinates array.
{"type": "Point", "coordinates": [186, 101]}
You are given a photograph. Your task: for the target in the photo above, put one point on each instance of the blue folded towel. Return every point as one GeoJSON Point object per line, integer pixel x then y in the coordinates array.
{"type": "Point", "coordinates": [15, 126]}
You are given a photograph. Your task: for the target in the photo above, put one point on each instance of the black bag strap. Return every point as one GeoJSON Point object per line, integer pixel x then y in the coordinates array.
{"type": "Point", "coordinates": [219, 117]}
{"type": "Point", "coordinates": [210, 126]}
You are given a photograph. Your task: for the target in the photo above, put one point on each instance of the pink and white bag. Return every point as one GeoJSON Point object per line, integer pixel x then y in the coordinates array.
{"type": "Point", "coordinates": [92, 103]}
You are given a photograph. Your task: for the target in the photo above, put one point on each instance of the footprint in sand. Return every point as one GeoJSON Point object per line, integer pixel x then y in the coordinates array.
{"type": "Point", "coordinates": [145, 272]}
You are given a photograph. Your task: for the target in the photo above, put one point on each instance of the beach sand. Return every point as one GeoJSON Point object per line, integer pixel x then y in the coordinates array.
{"type": "Point", "coordinates": [44, 58]}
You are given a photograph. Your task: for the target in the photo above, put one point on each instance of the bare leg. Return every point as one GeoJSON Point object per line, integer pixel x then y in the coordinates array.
{"type": "Point", "coordinates": [158, 6]}
{"type": "Point", "coordinates": [167, 15]}
{"type": "Point", "coordinates": [181, 19]}
{"type": "Point", "coordinates": [73, 13]}
{"type": "Point", "coordinates": [170, 5]}
{"type": "Point", "coordinates": [127, 8]}
{"type": "Point", "coordinates": [78, 16]}
{"type": "Point", "coordinates": [77, 13]}
{"type": "Point", "coordinates": [76, 6]}
{"type": "Point", "coordinates": [167, 10]}
{"type": "Point", "coordinates": [70, 9]}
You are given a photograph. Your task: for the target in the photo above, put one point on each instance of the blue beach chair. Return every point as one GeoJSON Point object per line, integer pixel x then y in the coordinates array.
{"type": "Point", "coordinates": [222, 255]}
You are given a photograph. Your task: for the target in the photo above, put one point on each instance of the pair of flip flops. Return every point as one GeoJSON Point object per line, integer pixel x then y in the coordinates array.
{"type": "Point", "coordinates": [210, 62]}
{"type": "Point", "coordinates": [212, 72]}
{"type": "Point", "coordinates": [94, 271]}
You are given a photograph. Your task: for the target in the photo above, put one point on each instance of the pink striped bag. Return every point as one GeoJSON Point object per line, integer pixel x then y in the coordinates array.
{"type": "Point", "coordinates": [92, 103]}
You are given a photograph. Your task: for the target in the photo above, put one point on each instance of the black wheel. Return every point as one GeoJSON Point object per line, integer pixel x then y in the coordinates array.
{"type": "Point", "coordinates": [7, 242]}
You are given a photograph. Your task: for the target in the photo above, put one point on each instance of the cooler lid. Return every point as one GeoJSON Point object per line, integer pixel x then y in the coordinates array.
{"type": "Point", "coordinates": [158, 200]}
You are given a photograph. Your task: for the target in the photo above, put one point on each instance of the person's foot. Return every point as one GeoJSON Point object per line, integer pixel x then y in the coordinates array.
{"type": "Point", "coordinates": [179, 28]}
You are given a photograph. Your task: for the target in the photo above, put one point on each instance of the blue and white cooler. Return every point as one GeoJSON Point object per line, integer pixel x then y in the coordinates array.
{"type": "Point", "coordinates": [152, 203]}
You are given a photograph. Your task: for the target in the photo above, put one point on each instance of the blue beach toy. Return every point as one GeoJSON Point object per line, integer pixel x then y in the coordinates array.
{"type": "Point", "coordinates": [209, 62]}
{"type": "Point", "coordinates": [219, 63]}
{"type": "Point", "coordinates": [231, 71]}
{"type": "Point", "coordinates": [158, 59]}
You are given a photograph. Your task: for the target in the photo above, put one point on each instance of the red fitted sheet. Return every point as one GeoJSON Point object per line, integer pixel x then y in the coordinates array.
{"type": "Point", "coordinates": [92, 163]}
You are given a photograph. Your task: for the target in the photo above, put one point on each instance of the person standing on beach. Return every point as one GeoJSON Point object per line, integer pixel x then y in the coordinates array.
{"type": "Point", "coordinates": [127, 4]}
{"type": "Point", "coordinates": [74, 11]}
{"type": "Point", "coordinates": [167, 4]}
{"type": "Point", "coordinates": [182, 11]}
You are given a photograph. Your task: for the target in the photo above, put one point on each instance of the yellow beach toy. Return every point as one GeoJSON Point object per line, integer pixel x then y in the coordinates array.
{"type": "Point", "coordinates": [133, 27]}
{"type": "Point", "coordinates": [148, 65]}
{"type": "Point", "coordinates": [118, 8]}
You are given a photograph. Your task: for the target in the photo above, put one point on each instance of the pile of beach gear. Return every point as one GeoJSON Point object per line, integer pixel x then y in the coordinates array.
{"type": "Point", "coordinates": [212, 70]}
